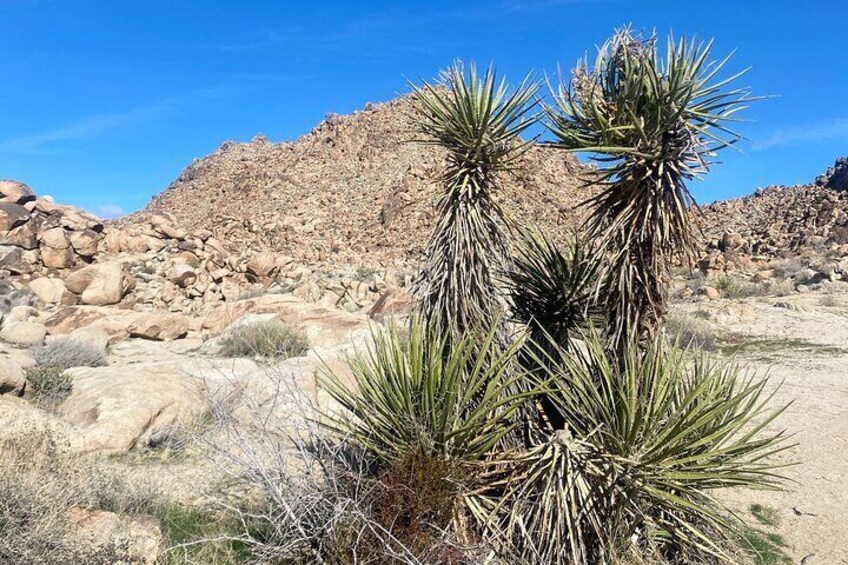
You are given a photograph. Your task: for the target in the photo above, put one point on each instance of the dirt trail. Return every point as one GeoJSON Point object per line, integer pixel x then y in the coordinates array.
{"type": "Point", "coordinates": [801, 340]}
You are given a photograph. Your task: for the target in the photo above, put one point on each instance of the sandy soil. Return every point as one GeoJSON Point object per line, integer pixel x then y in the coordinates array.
{"type": "Point", "coordinates": [802, 341]}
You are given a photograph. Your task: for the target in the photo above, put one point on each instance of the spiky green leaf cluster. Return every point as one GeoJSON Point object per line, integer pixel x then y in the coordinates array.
{"type": "Point", "coordinates": [479, 121]}
{"type": "Point", "coordinates": [654, 123]}
{"type": "Point", "coordinates": [655, 434]}
{"type": "Point", "coordinates": [554, 291]}
{"type": "Point", "coordinates": [416, 393]}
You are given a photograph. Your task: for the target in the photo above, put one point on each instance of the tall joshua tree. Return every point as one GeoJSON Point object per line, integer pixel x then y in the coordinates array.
{"type": "Point", "coordinates": [479, 121]}
{"type": "Point", "coordinates": [654, 123]}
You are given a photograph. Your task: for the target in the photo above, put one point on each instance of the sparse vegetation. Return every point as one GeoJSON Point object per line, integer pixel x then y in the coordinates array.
{"type": "Point", "coordinates": [66, 353]}
{"type": "Point", "coordinates": [764, 546]}
{"type": "Point", "coordinates": [270, 339]}
{"type": "Point", "coordinates": [50, 384]}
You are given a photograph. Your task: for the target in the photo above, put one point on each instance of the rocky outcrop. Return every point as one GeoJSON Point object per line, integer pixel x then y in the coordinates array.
{"type": "Point", "coordinates": [48, 236]}
{"type": "Point", "coordinates": [836, 176]}
{"type": "Point", "coordinates": [353, 190]}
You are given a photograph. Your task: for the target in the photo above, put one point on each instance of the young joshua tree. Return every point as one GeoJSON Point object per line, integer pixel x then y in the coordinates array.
{"type": "Point", "coordinates": [479, 121]}
{"type": "Point", "coordinates": [654, 122]}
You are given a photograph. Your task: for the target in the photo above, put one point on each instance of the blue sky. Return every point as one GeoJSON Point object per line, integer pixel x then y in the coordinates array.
{"type": "Point", "coordinates": [105, 102]}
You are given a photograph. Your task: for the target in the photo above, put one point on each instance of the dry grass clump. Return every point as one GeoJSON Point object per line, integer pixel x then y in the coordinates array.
{"type": "Point", "coordinates": [39, 487]}
{"type": "Point", "coordinates": [269, 339]}
{"type": "Point", "coordinates": [65, 353]}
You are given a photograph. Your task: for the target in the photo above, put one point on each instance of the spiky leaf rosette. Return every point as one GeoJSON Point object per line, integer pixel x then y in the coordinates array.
{"type": "Point", "coordinates": [417, 394]}
{"type": "Point", "coordinates": [658, 434]}
{"type": "Point", "coordinates": [554, 290]}
{"type": "Point", "coordinates": [479, 121]}
{"type": "Point", "coordinates": [654, 123]}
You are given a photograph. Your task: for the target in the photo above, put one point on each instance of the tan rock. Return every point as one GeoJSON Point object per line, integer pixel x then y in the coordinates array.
{"type": "Point", "coordinates": [24, 425]}
{"type": "Point", "coordinates": [12, 379]}
{"type": "Point", "coordinates": [58, 258]}
{"type": "Point", "coordinates": [70, 318]}
{"type": "Point", "coordinates": [262, 264]}
{"type": "Point", "coordinates": [393, 302]}
{"type": "Point", "coordinates": [182, 274]}
{"type": "Point", "coordinates": [119, 408]}
{"type": "Point", "coordinates": [710, 292]}
{"type": "Point", "coordinates": [25, 235]}
{"type": "Point", "coordinates": [49, 290]}
{"type": "Point", "coordinates": [57, 238]}
{"type": "Point", "coordinates": [12, 215]}
{"type": "Point", "coordinates": [16, 192]}
{"type": "Point", "coordinates": [764, 275]}
{"type": "Point", "coordinates": [115, 241]}
{"type": "Point", "coordinates": [159, 326]}
{"type": "Point", "coordinates": [85, 242]}
{"type": "Point", "coordinates": [136, 538]}
{"type": "Point", "coordinates": [96, 337]}
{"type": "Point", "coordinates": [12, 259]}
{"type": "Point", "coordinates": [99, 284]}
{"type": "Point", "coordinates": [23, 333]}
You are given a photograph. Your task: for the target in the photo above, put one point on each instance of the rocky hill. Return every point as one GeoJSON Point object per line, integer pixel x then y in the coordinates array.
{"type": "Point", "coordinates": [354, 190]}
{"type": "Point", "coordinates": [780, 221]}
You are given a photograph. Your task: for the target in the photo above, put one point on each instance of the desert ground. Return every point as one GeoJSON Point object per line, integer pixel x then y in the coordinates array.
{"type": "Point", "coordinates": [801, 343]}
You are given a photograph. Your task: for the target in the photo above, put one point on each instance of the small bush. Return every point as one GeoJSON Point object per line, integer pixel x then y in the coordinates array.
{"type": "Point", "coordinates": [269, 339]}
{"type": "Point", "coordinates": [49, 383]}
{"type": "Point", "coordinates": [65, 353]}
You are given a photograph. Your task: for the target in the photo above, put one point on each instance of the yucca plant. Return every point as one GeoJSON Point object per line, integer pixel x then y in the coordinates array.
{"type": "Point", "coordinates": [648, 435]}
{"type": "Point", "coordinates": [554, 291]}
{"type": "Point", "coordinates": [416, 394]}
{"type": "Point", "coordinates": [654, 123]}
{"type": "Point", "coordinates": [479, 121]}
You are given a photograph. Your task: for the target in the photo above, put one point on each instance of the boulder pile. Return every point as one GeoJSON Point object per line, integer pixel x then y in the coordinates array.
{"type": "Point", "coordinates": [53, 255]}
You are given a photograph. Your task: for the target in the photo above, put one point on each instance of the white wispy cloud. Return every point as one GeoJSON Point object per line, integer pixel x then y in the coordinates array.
{"type": "Point", "coordinates": [387, 25]}
{"type": "Point", "coordinates": [817, 131]}
{"type": "Point", "coordinates": [86, 128]}
{"type": "Point", "coordinates": [109, 211]}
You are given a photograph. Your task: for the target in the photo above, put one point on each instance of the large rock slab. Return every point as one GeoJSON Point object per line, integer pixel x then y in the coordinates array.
{"type": "Point", "coordinates": [23, 332]}
{"type": "Point", "coordinates": [49, 290]}
{"type": "Point", "coordinates": [327, 328]}
{"type": "Point", "coordinates": [117, 408]}
{"type": "Point", "coordinates": [159, 326]}
{"type": "Point", "coordinates": [22, 424]}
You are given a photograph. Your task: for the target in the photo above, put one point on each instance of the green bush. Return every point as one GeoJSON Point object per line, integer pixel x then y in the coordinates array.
{"type": "Point", "coordinates": [65, 353]}
{"type": "Point", "coordinates": [49, 383]}
{"type": "Point", "coordinates": [268, 339]}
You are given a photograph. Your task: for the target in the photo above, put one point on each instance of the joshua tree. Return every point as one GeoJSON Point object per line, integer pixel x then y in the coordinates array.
{"type": "Point", "coordinates": [654, 123]}
{"type": "Point", "coordinates": [479, 121]}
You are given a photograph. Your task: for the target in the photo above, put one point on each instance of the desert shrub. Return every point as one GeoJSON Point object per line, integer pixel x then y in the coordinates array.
{"type": "Point", "coordinates": [691, 331]}
{"type": "Point", "coordinates": [269, 339]}
{"type": "Point", "coordinates": [453, 402]}
{"type": "Point", "coordinates": [39, 487]}
{"type": "Point", "coordinates": [49, 383]}
{"type": "Point", "coordinates": [648, 436]}
{"type": "Point", "coordinates": [65, 353]}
